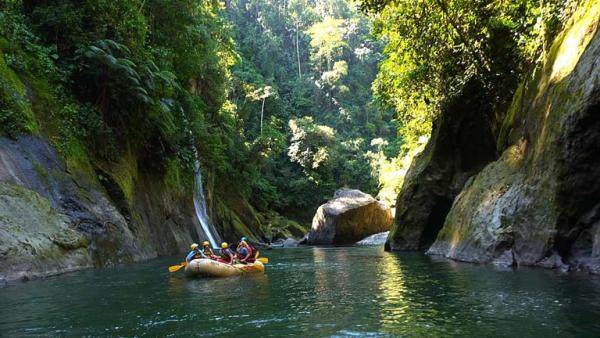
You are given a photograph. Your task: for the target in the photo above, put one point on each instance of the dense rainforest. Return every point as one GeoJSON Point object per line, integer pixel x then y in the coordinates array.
{"type": "Point", "coordinates": [275, 95]}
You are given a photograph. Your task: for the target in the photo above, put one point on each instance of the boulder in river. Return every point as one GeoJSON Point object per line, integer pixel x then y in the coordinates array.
{"type": "Point", "coordinates": [377, 239]}
{"type": "Point", "coordinates": [349, 217]}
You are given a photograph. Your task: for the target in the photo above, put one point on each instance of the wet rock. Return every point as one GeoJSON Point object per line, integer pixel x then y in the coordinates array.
{"type": "Point", "coordinates": [287, 243]}
{"type": "Point", "coordinates": [33, 248]}
{"type": "Point", "coordinates": [539, 200]}
{"type": "Point", "coordinates": [350, 216]}
{"type": "Point", "coordinates": [461, 144]}
{"type": "Point", "coordinates": [553, 262]}
{"type": "Point", "coordinates": [290, 243]}
{"type": "Point", "coordinates": [55, 219]}
{"type": "Point", "coordinates": [376, 239]}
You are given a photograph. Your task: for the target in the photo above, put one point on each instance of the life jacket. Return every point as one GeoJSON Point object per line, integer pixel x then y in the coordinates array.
{"type": "Point", "coordinates": [251, 253]}
{"type": "Point", "coordinates": [252, 250]}
{"type": "Point", "coordinates": [197, 255]}
{"type": "Point", "coordinates": [226, 255]}
{"type": "Point", "coordinates": [208, 252]}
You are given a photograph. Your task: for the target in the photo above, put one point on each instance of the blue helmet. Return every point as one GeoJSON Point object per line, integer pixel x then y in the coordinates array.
{"type": "Point", "coordinates": [244, 239]}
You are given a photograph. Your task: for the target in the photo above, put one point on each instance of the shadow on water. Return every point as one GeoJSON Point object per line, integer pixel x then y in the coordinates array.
{"type": "Point", "coordinates": [337, 292]}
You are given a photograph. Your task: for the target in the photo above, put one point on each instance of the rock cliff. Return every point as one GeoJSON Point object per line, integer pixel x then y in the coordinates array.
{"type": "Point", "coordinates": [537, 204]}
{"type": "Point", "coordinates": [54, 220]}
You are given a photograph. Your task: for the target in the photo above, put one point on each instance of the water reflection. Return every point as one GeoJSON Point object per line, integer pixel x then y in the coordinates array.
{"type": "Point", "coordinates": [322, 292]}
{"type": "Point", "coordinates": [392, 289]}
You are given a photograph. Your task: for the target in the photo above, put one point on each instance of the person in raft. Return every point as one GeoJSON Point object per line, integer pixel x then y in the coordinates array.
{"type": "Point", "coordinates": [196, 253]}
{"type": "Point", "coordinates": [246, 252]}
{"type": "Point", "coordinates": [226, 254]}
{"type": "Point", "coordinates": [207, 250]}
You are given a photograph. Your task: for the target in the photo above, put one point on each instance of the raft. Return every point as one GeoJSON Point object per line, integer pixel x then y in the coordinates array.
{"type": "Point", "coordinates": [209, 268]}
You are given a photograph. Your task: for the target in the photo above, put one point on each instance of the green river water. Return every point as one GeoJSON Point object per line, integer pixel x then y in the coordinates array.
{"type": "Point", "coordinates": [314, 292]}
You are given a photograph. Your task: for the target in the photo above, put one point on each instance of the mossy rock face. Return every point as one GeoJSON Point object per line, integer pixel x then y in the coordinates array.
{"type": "Point", "coordinates": [276, 227]}
{"type": "Point", "coordinates": [538, 204]}
{"type": "Point", "coordinates": [89, 225]}
{"type": "Point", "coordinates": [229, 223]}
{"type": "Point", "coordinates": [461, 144]}
{"type": "Point", "coordinates": [16, 115]}
{"type": "Point", "coordinates": [36, 240]}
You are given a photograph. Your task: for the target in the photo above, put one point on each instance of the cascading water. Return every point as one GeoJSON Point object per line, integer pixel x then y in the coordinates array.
{"type": "Point", "coordinates": [200, 207]}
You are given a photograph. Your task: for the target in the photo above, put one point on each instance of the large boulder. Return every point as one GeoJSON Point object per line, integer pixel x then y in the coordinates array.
{"type": "Point", "coordinates": [349, 217]}
{"type": "Point", "coordinates": [539, 203]}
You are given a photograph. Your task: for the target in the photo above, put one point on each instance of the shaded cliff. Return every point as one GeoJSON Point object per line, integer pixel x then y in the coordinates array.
{"type": "Point", "coordinates": [56, 219]}
{"type": "Point", "coordinates": [460, 145]}
{"type": "Point", "coordinates": [538, 203]}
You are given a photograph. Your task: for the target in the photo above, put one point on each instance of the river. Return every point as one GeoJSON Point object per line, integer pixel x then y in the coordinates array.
{"type": "Point", "coordinates": [319, 292]}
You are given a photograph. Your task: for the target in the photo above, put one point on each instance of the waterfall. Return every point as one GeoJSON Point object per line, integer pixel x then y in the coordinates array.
{"type": "Point", "coordinates": [200, 207]}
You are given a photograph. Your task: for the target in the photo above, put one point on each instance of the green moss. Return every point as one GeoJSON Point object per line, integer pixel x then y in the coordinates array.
{"type": "Point", "coordinates": [40, 170]}
{"type": "Point", "coordinates": [178, 181]}
{"type": "Point", "coordinates": [275, 226]}
{"type": "Point", "coordinates": [16, 115]}
{"type": "Point", "coordinates": [229, 222]}
{"type": "Point", "coordinates": [77, 158]}
{"type": "Point", "coordinates": [125, 173]}
{"type": "Point", "coordinates": [515, 107]}
{"type": "Point", "coordinates": [70, 240]}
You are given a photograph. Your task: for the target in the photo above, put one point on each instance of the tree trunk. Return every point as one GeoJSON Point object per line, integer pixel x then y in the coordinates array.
{"type": "Point", "coordinates": [298, 53]}
{"type": "Point", "coordinates": [262, 111]}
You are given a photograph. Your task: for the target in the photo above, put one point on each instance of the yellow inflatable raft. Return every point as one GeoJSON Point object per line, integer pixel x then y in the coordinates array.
{"type": "Point", "coordinates": [210, 268]}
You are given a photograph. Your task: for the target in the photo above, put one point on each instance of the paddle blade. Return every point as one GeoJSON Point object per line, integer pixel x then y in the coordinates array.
{"type": "Point", "coordinates": [263, 260]}
{"type": "Point", "coordinates": [175, 268]}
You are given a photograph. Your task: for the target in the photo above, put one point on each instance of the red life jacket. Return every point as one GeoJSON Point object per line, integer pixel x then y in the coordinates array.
{"type": "Point", "coordinates": [252, 253]}
{"type": "Point", "coordinates": [226, 256]}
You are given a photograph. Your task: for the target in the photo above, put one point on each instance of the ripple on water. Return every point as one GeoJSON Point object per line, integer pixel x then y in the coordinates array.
{"type": "Point", "coordinates": [322, 292]}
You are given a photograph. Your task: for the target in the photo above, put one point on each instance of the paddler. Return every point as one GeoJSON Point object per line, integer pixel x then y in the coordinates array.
{"type": "Point", "coordinates": [226, 254]}
{"type": "Point", "coordinates": [246, 252]}
{"type": "Point", "coordinates": [195, 253]}
{"type": "Point", "coordinates": [207, 250]}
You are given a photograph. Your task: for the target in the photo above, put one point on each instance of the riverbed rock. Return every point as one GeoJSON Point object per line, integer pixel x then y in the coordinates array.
{"type": "Point", "coordinates": [286, 243]}
{"type": "Point", "coordinates": [290, 243]}
{"type": "Point", "coordinates": [539, 202]}
{"type": "Point", "coordinates": [376, 239]}
{"type": "Point", "coordinates": [349, 217]}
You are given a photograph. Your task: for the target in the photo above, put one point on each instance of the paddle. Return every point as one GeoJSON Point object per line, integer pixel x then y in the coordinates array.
{"type": "Point", "coordinates": [175, 268]}
{"type": "Point", "coordinates": [263, 260]}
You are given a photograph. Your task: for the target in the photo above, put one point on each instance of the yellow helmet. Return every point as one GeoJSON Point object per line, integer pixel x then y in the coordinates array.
{"type": "Point", "coordinates": [224, 245]}
{"type": "Point", "coordinates": [205, 243]}
{"type": "Point", "coordinates": [194, 246]}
